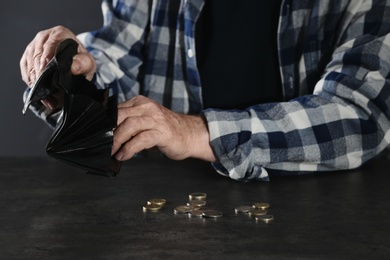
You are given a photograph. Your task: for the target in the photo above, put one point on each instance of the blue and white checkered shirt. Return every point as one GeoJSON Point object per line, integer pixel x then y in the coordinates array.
{"type": "Point", "coordinates": [334, 60]}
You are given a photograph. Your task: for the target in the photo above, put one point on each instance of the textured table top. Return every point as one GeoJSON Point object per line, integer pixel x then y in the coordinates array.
{"type": "Point", "coordinates": [52, 210]}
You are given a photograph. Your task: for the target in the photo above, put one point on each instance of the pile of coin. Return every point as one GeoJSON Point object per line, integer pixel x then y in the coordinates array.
{"type": "Point", "coordinates": [258, 210]}
{"type": "Point", "coordinates": [195, 207]}
{"type": "Point", "coordinates": [154, 205]}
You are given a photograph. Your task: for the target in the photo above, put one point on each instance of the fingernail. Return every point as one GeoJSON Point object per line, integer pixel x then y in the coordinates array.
{"type": "Point", "coordinates": [119, 156]}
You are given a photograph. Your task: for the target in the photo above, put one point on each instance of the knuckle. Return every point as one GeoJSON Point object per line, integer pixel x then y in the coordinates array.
{"type": "Point", "coordinates": [41, 34]}
{"type": "Point", "coordinates": [138, 98]}
{"type": "Point", "coordinates": [143, 138]}
{"type": "Point", "coordinates": [58, 30]}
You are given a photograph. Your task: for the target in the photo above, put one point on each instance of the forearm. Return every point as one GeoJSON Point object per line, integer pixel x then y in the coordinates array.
{"type": "Point", "coordinates": [117, 46]}
{"type": "Point", "coordinates": [200, 147]}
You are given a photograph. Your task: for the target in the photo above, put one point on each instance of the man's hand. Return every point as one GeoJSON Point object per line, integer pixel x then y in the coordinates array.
{"type": "Point", "coordinates": [143, 124]}
{"type": "Point", "coordinates": [42, 49]}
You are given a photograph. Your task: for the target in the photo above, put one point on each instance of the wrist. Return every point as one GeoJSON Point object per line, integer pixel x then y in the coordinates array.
{"type": "Point", "coordinates": [200, 141]}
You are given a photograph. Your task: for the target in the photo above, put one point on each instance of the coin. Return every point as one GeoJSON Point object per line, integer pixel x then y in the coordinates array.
{"type": "Point", "coordinates": [197, 203]}
{"type": "Point", "coordinates": [212, 214]}
{"type": "Point", "coordinates": [257, 212]}
{"type": "Point", "coordinates": [197, 196]}
{"type": "Point", "coordinates": [151, 207]}
{"type": "Point", "coordinates": [261, 205]}
{"type": "Point", "coordinates": [265, 218]}
{"type": "Point", "coordinates": [196, 213]}
{"type": "Point", "coordinates": [243, 209]}
{"type": "Point", "coordinates": [183, 209]}
{"type": "Point", "coordinates": [160, 202]}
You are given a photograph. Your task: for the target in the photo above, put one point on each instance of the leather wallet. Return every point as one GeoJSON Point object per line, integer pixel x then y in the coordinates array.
{"type": "Point", "coordinates": [83, 135]}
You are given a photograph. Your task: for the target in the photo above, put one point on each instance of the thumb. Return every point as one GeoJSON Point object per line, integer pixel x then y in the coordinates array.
{"type": "Point", "coordinates": [83, 64]}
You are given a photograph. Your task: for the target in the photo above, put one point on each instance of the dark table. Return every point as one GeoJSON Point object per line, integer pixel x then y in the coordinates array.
{"type": "Point", "coordinates": [50, 210]}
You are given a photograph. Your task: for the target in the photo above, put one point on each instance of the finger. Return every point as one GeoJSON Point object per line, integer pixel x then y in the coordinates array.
{"type": "Point", "coordinates": [24, 68]}
{"type": "Point", "coordinates": [27, 64]}
{"type": "Point", "coordinates": [128, 112]}
{"type": "Point", "coordinates": [47, 48]}
{"type": "Point", "coordinates": [130, 127]}
{"type": "Point", "coordinates": [137, 100]}
{"type": "Point", "coordinates": [31, 59]}
{"type": "Point", "coordinates": [83, 64]}
{"type": "Point", "coordinates": [142, 141]}
{"type": "Point", "coordinates": [138, 106]}
{"type": "Point", "coordinates": [40, 53]}
{"type": "Point", "coordinates": [49, 102]}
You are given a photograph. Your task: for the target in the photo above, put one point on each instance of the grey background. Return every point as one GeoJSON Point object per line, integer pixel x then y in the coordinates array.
{"type": "Point", "coordinates": [20, 20]}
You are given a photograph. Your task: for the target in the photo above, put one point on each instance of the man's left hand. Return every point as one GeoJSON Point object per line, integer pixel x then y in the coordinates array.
{"type": "Point", "coordinates": [143, 124]}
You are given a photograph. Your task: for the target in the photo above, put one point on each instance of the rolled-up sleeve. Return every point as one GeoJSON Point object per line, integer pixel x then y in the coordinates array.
{"type": "Point", "coordinates": [341, 124]}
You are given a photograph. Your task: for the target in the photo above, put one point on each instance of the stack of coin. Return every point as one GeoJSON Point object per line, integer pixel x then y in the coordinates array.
{"type": "Point", "coordinates": [194, 207]}
{"type": "Point", "coordinates": [257, 210]}
{"type": "Point", "coordinates": [197, 196]}
{"type": "Point", "coordinates": [154, 205]}
{"type": "Point", "coordinates": [196, 204]}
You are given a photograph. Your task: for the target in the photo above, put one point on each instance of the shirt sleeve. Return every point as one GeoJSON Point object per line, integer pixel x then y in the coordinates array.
{"type": "Point", "coordinates": [117, 46]}
{"type": "Point", "coordinates": [341, 125]}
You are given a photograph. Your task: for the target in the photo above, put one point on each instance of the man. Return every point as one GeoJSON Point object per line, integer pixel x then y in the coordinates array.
{"type": "Point", "coordinates": [328, 109]}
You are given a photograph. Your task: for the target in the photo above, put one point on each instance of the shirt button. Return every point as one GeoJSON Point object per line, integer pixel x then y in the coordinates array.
{"type": "Point", "coordinates": [190, 53]}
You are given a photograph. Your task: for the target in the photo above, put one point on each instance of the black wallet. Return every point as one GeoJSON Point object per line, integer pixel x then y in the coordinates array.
{"type": "Point", "coordinates": [83, 135]}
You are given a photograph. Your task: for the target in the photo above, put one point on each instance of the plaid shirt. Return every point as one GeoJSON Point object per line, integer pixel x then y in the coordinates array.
{"type": "Point", "coordinates": [334, 61]}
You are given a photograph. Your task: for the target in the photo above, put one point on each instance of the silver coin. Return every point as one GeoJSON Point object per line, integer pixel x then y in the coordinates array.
{"type": "Point", "coordinates": [261, 205]}
{"type": "Point", "coordinates": [265, 218]}
{"type": "Point", "coordinates": [212, 214]}
{"type": "Point", "coordinates": [196, 213]}
{"type": "Point", "coordinates": [160, 202]}
{"type": "Point", "coordinates": [197, 203]}
{"type": "Point", "coordinates": [254, 212]}
{"type": "Point", "coordinates": [183, 209]}
{"type": "Point", "coordinates": [151, 207]}
{"type": "Point", "coordinates": [243, 209]}
{"type": "Point", "coordinates": [197, 196]}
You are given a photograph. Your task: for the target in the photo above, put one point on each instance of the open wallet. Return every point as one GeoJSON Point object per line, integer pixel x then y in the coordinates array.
{"type": "Point", "coordinates": [83, 134]}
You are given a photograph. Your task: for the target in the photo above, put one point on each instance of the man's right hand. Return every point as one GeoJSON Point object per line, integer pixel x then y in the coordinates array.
{"type": "Point", "coordinates": [42, 49]}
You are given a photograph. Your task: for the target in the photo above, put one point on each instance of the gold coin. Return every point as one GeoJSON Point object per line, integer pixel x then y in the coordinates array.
{"type": "Point", "coordinates": [196, 213]}
{"type": "Point", "coordinates": [265, 218]}
{"type": "Point", "coordinates": [243, 209]}
{"type": "Point", "coordinates": [197, 196]}
{"type": "Point", "coordinates": [160, 202]}
{"type": "Point", "coordinates": [196, 203]}
{"type": "Point", "coordinates": [184, 209]}
{"type": "Point", "coordinates": [151, 207]}
{"type": "Point", "coordinates": [261, 205]}
{"type": "Point", "coordinates": [257, 212]}
{"type": "Point", "coordinates": [212, 214]}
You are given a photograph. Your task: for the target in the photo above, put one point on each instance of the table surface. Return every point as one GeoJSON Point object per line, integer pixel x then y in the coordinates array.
{"type": "Point", "coordinates": [52, 210]}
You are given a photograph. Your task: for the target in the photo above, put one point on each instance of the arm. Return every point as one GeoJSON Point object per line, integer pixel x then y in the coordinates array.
{"type": "Point", "coordinates": [342, 124]}
{"type": "Point", "coordinates": [117, 46]}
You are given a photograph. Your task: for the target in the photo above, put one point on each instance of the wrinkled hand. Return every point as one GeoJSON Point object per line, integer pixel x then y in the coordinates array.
{"type": "Point", "coordinates": [42, 49]}
{"type": "Point", "coordinates": [143, 124]}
